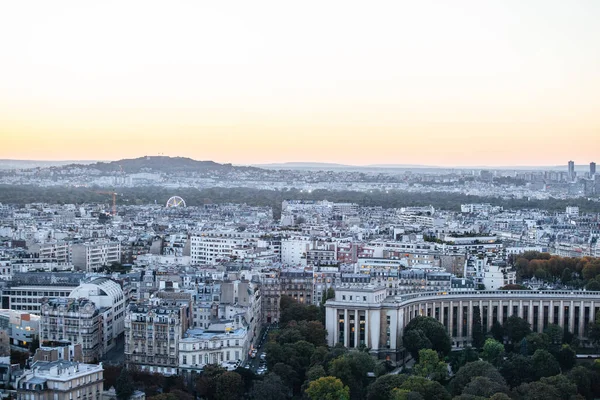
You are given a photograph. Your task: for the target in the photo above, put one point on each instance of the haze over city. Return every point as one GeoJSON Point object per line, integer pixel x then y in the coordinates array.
{"type": "Point", "coordinates": [429, 83]}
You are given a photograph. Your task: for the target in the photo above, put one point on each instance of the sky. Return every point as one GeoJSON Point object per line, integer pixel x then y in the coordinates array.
{"type": "Point", "coordinates": [448, 83]}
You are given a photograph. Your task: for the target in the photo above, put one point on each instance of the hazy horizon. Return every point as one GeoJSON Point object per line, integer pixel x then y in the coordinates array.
{"type": "Point", "coordinates": [392, 82]}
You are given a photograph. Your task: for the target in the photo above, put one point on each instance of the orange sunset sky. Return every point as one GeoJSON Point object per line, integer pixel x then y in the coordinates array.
{"type": "Point", "coordinates": [398, 82]}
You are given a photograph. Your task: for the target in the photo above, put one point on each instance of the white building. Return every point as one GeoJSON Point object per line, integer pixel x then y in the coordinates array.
{"type": "Point", "coordinates": [94, 256]}
{"type": "Point", "coordinates": [109, 299]}
{"type": "Point", "coordinates": [60, 380]}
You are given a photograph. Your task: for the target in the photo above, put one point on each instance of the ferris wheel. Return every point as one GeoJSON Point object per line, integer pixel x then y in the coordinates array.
{"type": "Point", "coordinates": [175, 201]}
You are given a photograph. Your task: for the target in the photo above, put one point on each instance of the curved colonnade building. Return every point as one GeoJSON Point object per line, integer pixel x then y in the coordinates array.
{"type": "Point", "coordinates": [363, 315]}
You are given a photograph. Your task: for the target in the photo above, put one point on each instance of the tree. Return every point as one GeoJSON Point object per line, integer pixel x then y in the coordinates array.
{"type": "Point", "coordinates": [429, 390]}
{"type": "Point", "coordinates": [544, 364]}
{"type": "Point", "coordinates": [473, 370]}
{"type": "Point", "coordinates": [328, 388]}
{"type": "Point", "coordinates": [516, 328]}
{"type": "Point", "coordinates": [583, 378]}
{"type": "Point", "coordinates": [497, 331]}
{"type": "Point", "coordinates": [383, 386]}
{"type": "Point", "coordinates": [430, 329]}
{"type": "Point", "coordinates": [593, 285]}
{"type": "Point", "coordinates": [537, 341]}
{"type": "Point", "coordinates": [566, 276]}
{"type": "Point", "coordinates": [478, 336]}
{"type": "Point", "coordinates": [566, 357]}
{"type": "Point", "coordinates": [329, 294]}
{"type": "Point", "coordinates": [537, 391]}
{"type": "Point", "coordinates": [270, 388]}
{"type": "Point", "coordinates": [493, 352]}
{"type": "Point", "coordinates": [229, 386]}
{"type": "Point", "coordinates": [462, 357]}
{"type": "Point", "coordinates": [430, 366]}
{"type": "Point", "coordinates": [565, 387]}
{"type": "Point", "coordinates": [352, 369]}
{"type": "Point", "coordinates": [555, 334]}
{"type": "Point", "coordinates": [484, 387]}
{"type": "Point", "coordinates": [124, 386]}
{"type": "Point", "coordinates": [517, 369]}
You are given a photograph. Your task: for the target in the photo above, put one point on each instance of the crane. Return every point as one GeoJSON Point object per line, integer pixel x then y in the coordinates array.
{"type": "Point", "coordinates": [114, 201]}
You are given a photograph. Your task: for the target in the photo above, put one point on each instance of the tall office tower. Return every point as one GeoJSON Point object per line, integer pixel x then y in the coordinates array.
{"type": "Point", "coordinates": [592, 168]}
{"type": "Point", "coordinates": [571, 174]}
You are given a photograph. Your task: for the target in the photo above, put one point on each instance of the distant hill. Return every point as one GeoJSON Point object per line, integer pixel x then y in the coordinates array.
{"type": "Point", "coordinates": [163, 164]}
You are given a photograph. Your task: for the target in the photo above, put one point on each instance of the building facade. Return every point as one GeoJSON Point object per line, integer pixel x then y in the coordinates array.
{"type": "Point", "coordinates": [366, 316]}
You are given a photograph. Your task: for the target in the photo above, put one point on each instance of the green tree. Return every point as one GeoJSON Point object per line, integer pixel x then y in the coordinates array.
{"type": "Point", "coordinates": [328, 388]}
{"type": "Point", "coordinates": [544, 364]}
{"type": "Point", "coordinates": [229, 386]}
{"type": "Point", "coordinates": [124, 386]}
{"type": "Point", "coordinates": [516, 328]}
{"type": "Point", "coordinates": [421, 328]}
{"type": "Point", "coordinates": [536, 391]}
{"type": "Point", "coordinates": [517, 369]}
{"type": "Point", "coordinates": [270, 388]}
{"type": "Point", "coordinates": [583, 378]}
{"type": "Point", "coordinates": [482, 386]}
{"type": "Point", "coordinates": [566, 276]}
{"type": "Point", "coordinates": [383, 386]}
{"type": "Point", "coordinates": [473, 370]}
{"type": "Point", "coordinates": [353, 369]}
{"type": "Point", "coordinates": [565, 387]}
{"type": "Point", "coordinates": [593, 285]}
{"type": "Point", "coordinates": [429, 390]}
{"type": "Point", "coordinates": [566, 357]}
{"type": "Point", "coordinates": [555, 334]}
{"type": "Point", "coordinates": [430, 366]}
{"type": "Point", "coordinates": [493, 352]}
{"type": "Point", "coordinates": [537, 341]}
{"type": "Point", "coordinates": [497, 331]}
{"type": "Point", "coordinates": [478, 336]}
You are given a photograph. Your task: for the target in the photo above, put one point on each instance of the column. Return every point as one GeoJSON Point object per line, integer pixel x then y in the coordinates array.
{"type": "Point", "coordinates": [551, 312]}
{"type": "Point", "coordinates": [490, 316]}
{"type": "Point", "coordinates": [510, 308]}
{"type": "Point", "coordinates": [530, 316]}
{"type": "Point", "coordinates": [450, 319]}
{"type": "Point", "coordinates": [367, 328]}
{"type": "Point", "coordinates": [572, 317]}
{"type": "Point", "coordinates": [356, 329]}
{"type": "Point", "coordinates": [541, 317]}
{"type": "Point", "coordinates": [442, 314]}
{"type": "Point", "coordinates": [346, 327]}
{"type": "Point", "coordinates": [500, 311]}
{"type": "Point", "coordinates": [561, 315]}
{"type": "Point", "coordinates": [470, 319]}
{"type": "Point", "coordinates": [459, 320]}
{"type": "Point", "coordinates": [520, 315]}
{"type": "Point", "coordinates": [592, 316]}
{"type": "Point", "coordinates": [581, 320]}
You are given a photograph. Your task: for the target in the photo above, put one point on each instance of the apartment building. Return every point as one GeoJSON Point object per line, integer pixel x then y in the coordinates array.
{"type": "Point", "coordinates": [59, 251]}
{"type": "Point", "coordinates": [214, 247]}
{"type": "Point", "coordinates": [298, 284]}
{"type": "Point", "coordinates": [153, 330]}
{"type": "Point", "coordinates": [93, 315]}
{"type": "Point", "coordinates": [60, 380]}
{"type": "Point", "coordinates": [91, 257]}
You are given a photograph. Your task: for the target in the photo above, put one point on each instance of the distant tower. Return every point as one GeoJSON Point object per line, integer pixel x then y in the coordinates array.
{"type": "Point", "coordinates": [592, 169]}
{"type": "Point", "coordinates": [571, 173]}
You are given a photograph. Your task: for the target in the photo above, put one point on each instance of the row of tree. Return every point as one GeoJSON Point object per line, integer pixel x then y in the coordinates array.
{"type": "Point", "coordinates": [577, 272]}
{"type": "Point", "coordinates": [23, 194]}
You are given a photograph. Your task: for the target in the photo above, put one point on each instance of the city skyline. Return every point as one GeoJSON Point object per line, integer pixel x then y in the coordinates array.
{"type": "Point", "coordinates": [470, 84]}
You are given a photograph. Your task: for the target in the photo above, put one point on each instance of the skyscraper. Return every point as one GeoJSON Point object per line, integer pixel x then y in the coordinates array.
{"type": "Point", "coordinates": [571, 172]}
{"type": "Point", "coordinates": [592, 168]}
